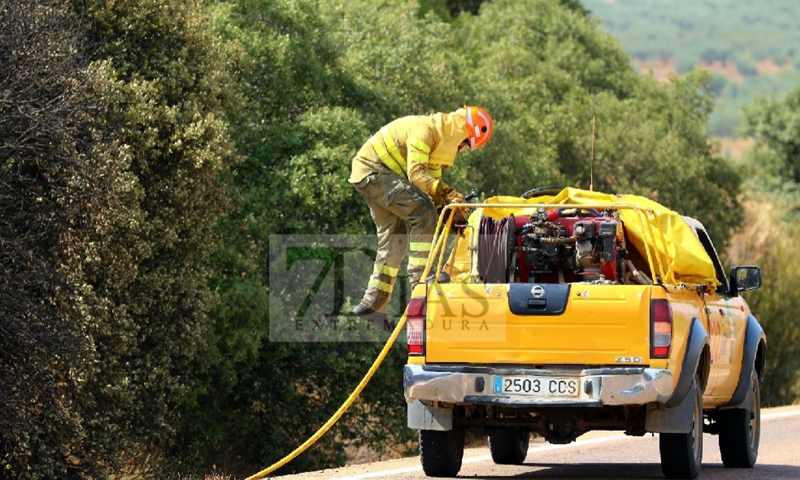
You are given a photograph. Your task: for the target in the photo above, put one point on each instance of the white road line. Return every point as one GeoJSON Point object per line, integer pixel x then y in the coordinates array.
{"type": "Point", "coordinates": [543, 448]}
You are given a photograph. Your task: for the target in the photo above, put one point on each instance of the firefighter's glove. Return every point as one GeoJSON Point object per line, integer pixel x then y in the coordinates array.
{"type": "Point", "coordinates": [459, 217]}
{"type": "Point", "coordinates": [459, 213]}
{"type": "Point", "coordinates": [447, 195]}
{"type": "Point", "coordinates": [455, 197]}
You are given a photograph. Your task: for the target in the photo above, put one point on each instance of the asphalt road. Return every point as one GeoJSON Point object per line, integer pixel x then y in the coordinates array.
{"type": "Point", "coordinates": [605, 455]}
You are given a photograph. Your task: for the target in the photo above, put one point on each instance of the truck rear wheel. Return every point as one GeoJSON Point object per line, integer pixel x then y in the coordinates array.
{"type": "Point", "coordinates": [682, 453]}
{"type": "Point", "coordinates": [740, 431]}
{"type": "Point", "coordinates": [441, 452]}
{"type": "Point", "coordinates": [509, 447]}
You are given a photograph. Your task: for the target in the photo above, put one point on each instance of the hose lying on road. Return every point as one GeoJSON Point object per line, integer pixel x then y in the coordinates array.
{"type": "Point", "coordinates": [352, 398]}
{"type": "Point", "coordinates": [364, 381]}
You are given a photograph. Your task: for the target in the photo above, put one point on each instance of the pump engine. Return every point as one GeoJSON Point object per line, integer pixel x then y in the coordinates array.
{"type": "Point", "coordinates": [555, 246]}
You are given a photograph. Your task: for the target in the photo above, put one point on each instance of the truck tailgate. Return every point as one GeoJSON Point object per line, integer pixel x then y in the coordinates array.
{"type": "Point", "coordinates": [532, 324]}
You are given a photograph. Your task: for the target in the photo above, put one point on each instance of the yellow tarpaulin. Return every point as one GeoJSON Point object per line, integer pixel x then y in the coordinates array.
{"type": "Point", "coordinates": [679, 252]}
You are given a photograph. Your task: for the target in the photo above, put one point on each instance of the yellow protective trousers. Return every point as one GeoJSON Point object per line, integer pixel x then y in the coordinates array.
{"type": "Point", "coordinates": [405, 219]}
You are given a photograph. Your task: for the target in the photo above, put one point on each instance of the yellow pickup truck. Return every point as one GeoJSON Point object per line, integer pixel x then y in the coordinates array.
{"type": "Point", "coordinates": [565, 311]}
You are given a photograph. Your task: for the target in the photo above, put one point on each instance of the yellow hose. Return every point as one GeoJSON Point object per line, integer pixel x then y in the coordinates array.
{"type": "Point", "coordinates": [336, 416]}
{"type": "Point", "coordinates": [439, 241]}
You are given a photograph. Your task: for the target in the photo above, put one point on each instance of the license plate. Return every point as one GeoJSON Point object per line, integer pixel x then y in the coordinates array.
{"type": "Point", "coordinates": [549, 387]}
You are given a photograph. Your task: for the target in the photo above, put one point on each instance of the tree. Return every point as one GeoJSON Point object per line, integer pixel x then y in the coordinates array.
{"type": "Point", "coordinates": [54, 184]}
{"type": "Point", "coordinates": [775, 125]}
{"type": "Point", "coordinates": [570, 111]}
{"type": "Point", "coordinates": [166, 91]}
{"type": "Point", "coordinates": [304, 118]}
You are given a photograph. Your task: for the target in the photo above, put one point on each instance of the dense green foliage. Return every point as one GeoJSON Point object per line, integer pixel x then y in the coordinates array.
{"type": "Point", "coordinates": [311, 107]}
{"type": "Point", "coordinates": [113, 143]}
{"type": "Point", "coordinates": [775, 124]}
{"type": "Point", "coordinates": [322, 77]}
{"type": "Point", "coordinates": [549, 76]}
{"type": "Point", "coordinates": [741, 34]}
{"type": "Point", "coordinates": [165, 98]}
{"type": "Point", "coordinates": [180, 144]}
{"type": "Point", "coordinates": [773, 168]}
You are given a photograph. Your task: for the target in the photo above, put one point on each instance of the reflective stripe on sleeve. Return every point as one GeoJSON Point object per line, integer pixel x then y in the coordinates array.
{"type": "Point", "coordinates": [418, 157]}
{"type": "Point", "coordinates": [420, 145]}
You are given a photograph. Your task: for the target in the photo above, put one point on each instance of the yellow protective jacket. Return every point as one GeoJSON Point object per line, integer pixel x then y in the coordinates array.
{"type": "Point", "coordinates": [415, 148]}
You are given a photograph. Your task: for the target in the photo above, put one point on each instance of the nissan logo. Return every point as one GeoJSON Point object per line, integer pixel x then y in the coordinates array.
{"type": "Point", "coordinates": [537, 291]}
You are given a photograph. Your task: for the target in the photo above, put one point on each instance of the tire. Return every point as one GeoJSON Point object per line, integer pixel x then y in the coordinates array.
{"type": "Point", "coordinates": [682, 453]}
{"type": "Point", "coordinates": [740, 431]}
{"type": "Point", "coordinates": [441, 452]}
{"type": "Point", "coordinates": [509, 447]}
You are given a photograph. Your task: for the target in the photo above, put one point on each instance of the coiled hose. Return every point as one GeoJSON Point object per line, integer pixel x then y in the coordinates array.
{"type": "Point", "coordinates": [493, 249]}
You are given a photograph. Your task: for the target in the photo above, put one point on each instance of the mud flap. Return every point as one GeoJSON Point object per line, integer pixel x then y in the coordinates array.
{"type": "Point", "coordinates": [429, 417]}
{"type": "Point", "coordinates": [678, 419]}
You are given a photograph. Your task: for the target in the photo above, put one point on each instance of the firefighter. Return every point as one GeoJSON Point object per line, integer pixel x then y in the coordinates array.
{"type": "Point", "coordinates": [398, 171]}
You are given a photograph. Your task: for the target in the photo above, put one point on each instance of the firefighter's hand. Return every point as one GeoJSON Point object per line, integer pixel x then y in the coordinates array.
{"type": "Point", "coordinates": [439, 195]}
{"type": "Point", "coordinates": [459, 217]}
{"type": "Point", "coordinates": [454, 197]}
{"type": "Point", "coordinates": [447, 194]}
{"type": "Point", "coordinates": [458, 214]}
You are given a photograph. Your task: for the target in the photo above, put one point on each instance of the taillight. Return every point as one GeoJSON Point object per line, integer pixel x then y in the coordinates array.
{"type": "Point", "coordinates": [661, 315]}
{"type": "Point", "coordinates": [415, 326]}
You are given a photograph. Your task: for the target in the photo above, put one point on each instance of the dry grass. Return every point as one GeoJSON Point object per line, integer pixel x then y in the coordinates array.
{"type": "Point", "coordinates": [762, 228]}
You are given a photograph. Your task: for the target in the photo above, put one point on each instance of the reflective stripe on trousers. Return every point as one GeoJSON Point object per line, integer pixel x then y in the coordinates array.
{"type": "Point", "coordinates": [405, 219]}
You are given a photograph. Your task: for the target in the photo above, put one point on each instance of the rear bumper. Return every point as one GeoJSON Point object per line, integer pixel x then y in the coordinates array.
{"type": "Point", "coordinates": [471, 385]}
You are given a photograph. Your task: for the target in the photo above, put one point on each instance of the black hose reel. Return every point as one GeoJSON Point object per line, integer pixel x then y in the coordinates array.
{"type": "Point", "coordinates": [497, 247]}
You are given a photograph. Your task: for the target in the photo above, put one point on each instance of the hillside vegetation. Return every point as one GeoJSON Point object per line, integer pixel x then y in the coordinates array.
{"type": "Point", "coordinates": [752, 47]}
{"type": "Point", "coordinates": [158, 156]}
